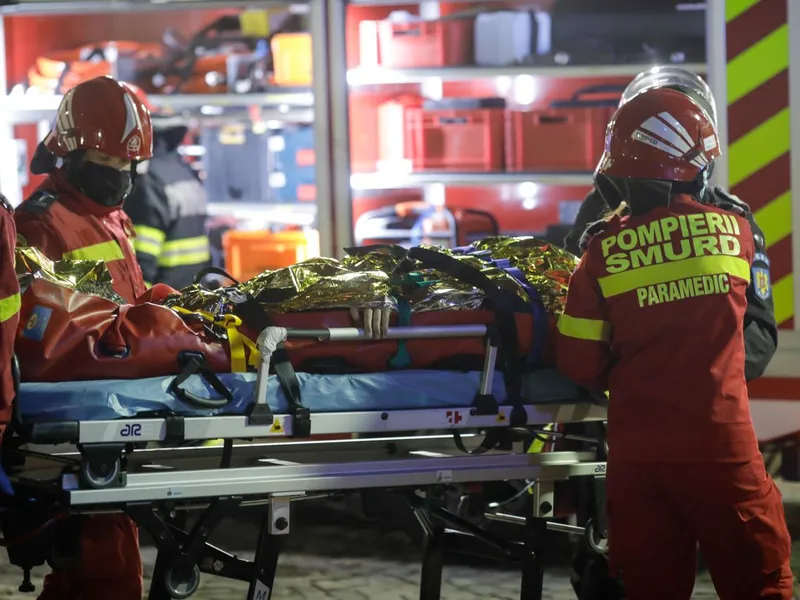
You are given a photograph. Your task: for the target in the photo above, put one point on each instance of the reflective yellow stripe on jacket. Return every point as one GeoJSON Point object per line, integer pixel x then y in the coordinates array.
{"type": "Point", "coordinates": [9, 306]}
{"type": "Point", "coordinates": [593, 330]}
{"type": "Point", "coordinates": [188, 251]}
{"type": "Point", "coordinates": [105, 251]}
{"type": "Point", "coordinates": [148, 240]}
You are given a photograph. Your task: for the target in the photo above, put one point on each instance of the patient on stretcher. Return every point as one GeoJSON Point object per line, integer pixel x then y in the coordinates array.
{"type": "Point", "coordinates": [73, 327]}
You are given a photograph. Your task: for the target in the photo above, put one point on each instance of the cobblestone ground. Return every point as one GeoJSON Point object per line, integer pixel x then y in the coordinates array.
{"type": "Point", "coordinates": [356, 561]}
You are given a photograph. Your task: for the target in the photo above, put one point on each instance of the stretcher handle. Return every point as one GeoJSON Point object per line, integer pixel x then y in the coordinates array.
{"type": "Point", "coordinates": [351, 334]}
{"type": "Point", "coordinates": [194, 363]}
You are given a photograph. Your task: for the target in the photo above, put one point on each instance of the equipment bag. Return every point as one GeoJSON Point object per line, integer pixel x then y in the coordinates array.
{"type": "Point", "coordinates": [67, 336]}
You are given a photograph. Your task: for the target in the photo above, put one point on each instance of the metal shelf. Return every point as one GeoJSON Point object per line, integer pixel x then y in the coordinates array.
{"type": "Point", "coordinates": [302, 214]}
{"type": "Point", "coordinates": [31, 108]}
{"type": "Point", "coordinates": [394, 181]}
{"type": "Point", "coordinates": [55, 7]}
{"type": "Point", "coordinates": [377, 75]}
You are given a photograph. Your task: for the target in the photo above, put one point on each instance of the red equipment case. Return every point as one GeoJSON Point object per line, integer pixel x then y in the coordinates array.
{"type": "Point", "coordinates": [567, 136]}
{"type": "Point", "coordinates": [443, 43]}
{"type": "Point", "coordinates": [457, 134]}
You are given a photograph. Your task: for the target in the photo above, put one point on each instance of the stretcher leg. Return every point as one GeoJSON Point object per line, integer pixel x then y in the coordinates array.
{"type": "Point", "coordinates": [274, 531]}
{"type": "Point", "coordinates": [177, 572]}
{"type": "Point", "coordinates": [535, 530]}
{"type": "Point", "coordinates": [430, 585]}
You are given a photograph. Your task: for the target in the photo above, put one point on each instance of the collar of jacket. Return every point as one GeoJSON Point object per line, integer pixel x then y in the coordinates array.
{"type": "Point", "coordinates": [69, 195]}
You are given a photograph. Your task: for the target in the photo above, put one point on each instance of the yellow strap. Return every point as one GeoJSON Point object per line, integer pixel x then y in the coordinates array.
{"type": "Point", "coordinates": [236, 340]}
{"type": "Point", "coordinates": [206, 315]}
{"type": "Point", "coordinates": [9, 306]}
{"type": "Point", "coordinates": [538, 444]}
{"type": "Point", "coordinates": [594, 330]}
{"type": "Point", "coordinates": [105, 251]}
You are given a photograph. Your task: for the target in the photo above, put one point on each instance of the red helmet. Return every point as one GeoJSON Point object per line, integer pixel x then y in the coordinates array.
{"type": "Point", "coordinates": [659, 134]}
{"type": "Point", "coordinates": [140, 94]}
{"type": "Point", "coordinates": [102, 114]}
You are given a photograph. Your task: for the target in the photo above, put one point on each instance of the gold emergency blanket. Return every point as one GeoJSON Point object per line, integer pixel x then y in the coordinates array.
{"type": "Point", "coordinates": [86, 276]}
{"type": "Point", "coordinates": [382, 277]}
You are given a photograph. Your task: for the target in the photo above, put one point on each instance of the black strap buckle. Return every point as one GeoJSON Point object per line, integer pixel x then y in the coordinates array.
{"type": "Point", "coordinates": [301, 423]}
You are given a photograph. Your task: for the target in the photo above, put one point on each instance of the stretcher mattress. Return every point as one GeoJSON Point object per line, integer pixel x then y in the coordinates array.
{"type": "Point", "coordinates": [401, 390]}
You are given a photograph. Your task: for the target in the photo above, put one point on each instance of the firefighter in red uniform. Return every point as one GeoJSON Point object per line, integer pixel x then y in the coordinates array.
{"type": "Point", "coordinates": [100, 134]}
{"type": "Point", "coordinates": [9, 316]}
{"type": "Point", "coordinates": [654, 315]}
{"type": "Point", "coordinates": [102, 130]}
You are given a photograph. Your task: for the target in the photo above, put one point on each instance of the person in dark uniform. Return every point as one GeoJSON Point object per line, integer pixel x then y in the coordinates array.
{"type": "Point", "coordinates": [168, 208]}
{"type": "Point", "coordinates": [591, 579]}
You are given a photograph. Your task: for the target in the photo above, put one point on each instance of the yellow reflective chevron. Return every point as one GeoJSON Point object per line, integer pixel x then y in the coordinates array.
{"type": "Point", "coordinates": [188, 251]}
{"type": "Point", "coordinates": [783, 298]}
{"type": "Point", "coordinates": [759, 147]}
{"type": "Point", "coordinates": [593, 330]}
{"type": "Point", "coordinates": [148, 240]}
{"type": "Point", "coordinates": [628, 281]}
{"type": "Point", "coordinates": [774, 219]}
{"type": "Point", "coordinates": [733, 8]}
{"type": "Point", "coordinates": [105, 251]}
{"type": "Point", "coordinates": [758, 64]}
{"type": "Point", "coordinates": [9, 306]}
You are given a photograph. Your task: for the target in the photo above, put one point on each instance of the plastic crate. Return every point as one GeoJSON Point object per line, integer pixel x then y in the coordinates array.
{"type": "Point", "coordinates": [568, 136]}
{"type": "Point", "coordinates": [457, 135]}
{"type": "Point", "coordinates": [443, 43]}
{"type": "Point", "coordinates": [248, 253]}
{"type": "Point", "coordinates": [292, 59]}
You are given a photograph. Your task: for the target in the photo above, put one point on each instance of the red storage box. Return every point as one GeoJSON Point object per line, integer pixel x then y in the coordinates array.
{"type": "Point", "coordinates": [568, 136]}
{"type": "Point", "coordinates": [442, 43]}
{"type": "Point", "coordinates": [456, 134]}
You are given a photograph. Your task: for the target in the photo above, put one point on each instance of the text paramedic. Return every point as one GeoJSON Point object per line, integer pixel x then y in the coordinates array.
{"type": "Point", "coordinates": [674, 239]}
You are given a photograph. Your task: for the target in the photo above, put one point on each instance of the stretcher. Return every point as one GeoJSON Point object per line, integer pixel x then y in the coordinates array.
{"type": "Point", "coordinates": [128, 452]}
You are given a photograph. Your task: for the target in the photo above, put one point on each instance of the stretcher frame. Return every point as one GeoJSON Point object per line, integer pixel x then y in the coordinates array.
{"type": "Point", "coordinates": [114, 473]}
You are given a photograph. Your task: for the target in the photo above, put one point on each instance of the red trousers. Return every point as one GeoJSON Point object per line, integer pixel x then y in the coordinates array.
{"type": "Point", "coordinates": [658, 513]}
{"type": "Point", "coordinates": [111, 566]}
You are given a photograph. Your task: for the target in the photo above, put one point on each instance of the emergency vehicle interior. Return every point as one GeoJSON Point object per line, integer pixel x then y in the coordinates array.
{"type": "Point", "coordinates": [317, 126]}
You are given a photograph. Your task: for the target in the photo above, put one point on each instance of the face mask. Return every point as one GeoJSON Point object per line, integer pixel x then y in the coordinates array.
{"type": "Point", "coordinates": [105, 185]}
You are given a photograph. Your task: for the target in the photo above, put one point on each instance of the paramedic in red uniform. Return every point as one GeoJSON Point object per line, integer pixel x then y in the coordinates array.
{"type": "Point", "coordinates": [101, 132]}
{"type": "Point", "coordinates": [654, 315]}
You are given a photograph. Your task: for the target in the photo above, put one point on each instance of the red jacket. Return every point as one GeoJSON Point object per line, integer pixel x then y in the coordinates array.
{"type": "Point", "coordinates": [654, 315]}
{"type": "Point", "coordinates": [9, 305]}
{"type": "Point", "coordinates": [65, 224]}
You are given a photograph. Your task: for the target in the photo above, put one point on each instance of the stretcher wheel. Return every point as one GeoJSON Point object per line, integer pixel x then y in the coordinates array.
{"type": "Point", "coordinates": [178, 585]}
{"type": "Point", "coordinates": [598, 543]}
{"type": "Point", "coordinates": [100, 477]}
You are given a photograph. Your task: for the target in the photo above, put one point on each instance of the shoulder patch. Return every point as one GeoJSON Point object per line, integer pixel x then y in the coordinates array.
{"type": "Point", "coordinates": [39, 203]}
{"type": "Point", "coordinates": [591, 231]}
{"type": "Point", "coordinates": [762, 285]}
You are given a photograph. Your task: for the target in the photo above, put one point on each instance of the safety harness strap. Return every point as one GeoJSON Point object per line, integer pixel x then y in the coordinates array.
{"type": "Point", "coordinates": [503, 306]}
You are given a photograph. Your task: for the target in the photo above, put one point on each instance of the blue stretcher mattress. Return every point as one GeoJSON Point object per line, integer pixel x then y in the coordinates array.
{"type": "Point", "coordinates": [400, 390]}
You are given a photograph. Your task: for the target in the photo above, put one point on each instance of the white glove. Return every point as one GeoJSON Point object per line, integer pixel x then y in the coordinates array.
{"type": "Point", "coordinates": [376, 321]}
